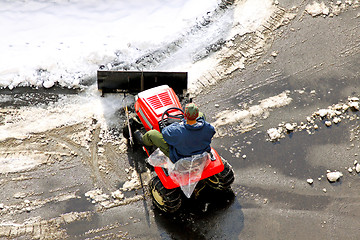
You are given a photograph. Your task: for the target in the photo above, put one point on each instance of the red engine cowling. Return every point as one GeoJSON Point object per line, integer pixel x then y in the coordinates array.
{"type": "Point", "coordinates": [152, 103]}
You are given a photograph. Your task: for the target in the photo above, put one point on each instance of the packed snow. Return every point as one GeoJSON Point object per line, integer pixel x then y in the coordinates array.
{"type": "Point", "coordinates": [228, 117]}
{"type": "Point", "coordinates": [329, 8]}
{"type": "Point", "coordinates": [63, 43]}
{"type": "Point", "coordinates": [60, 42]}
{"type": "Point", "coordinates": [81, 35]}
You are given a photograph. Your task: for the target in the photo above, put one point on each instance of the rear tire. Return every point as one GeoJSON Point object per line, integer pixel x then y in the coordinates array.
{"type": "Point", "coordinates": [167, 200]}
{"type": "Point", "coordinates": [222, 180]}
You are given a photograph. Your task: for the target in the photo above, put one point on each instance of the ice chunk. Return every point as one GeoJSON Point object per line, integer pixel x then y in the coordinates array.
{"type": "Point", "coordinates": [322, 112]}
{"type": "Point", "coordinates": [336, 120]}
{"type": "Point", "coordinates": [357, 167]}
{"type": "Point", "coordinates": [316, 9]}
{"type": "Point", "coordinates": [289, 127]}
{"type": "Point", "coordinates": [274, 133]}
{"type": "Point", "coordinates": [117, 194]}
{"type": "Point", "coordinates": [334, 176]}
{"type": "Point", "coordinates": [354, 105]}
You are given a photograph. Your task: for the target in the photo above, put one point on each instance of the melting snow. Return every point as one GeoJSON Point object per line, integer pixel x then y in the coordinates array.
{"type": "Point", "coordinates": [64, 42]}
{"type": "Point", "coordinates": [19, 162]}
{"type": "Point", "coordinates": [316, 9]}
{"type": "Point", "coordinates": [79, 36]}
{"type": "Point", "coordinates": [332, 114]}
{"type": "Point", "coordinates": [230, 117]}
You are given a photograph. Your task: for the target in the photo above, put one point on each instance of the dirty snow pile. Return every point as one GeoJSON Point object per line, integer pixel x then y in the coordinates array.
{"type": "Point", "coordinates": [117, 197]}
{"type": "Point", "coordinates": [332, 115]}
{"type": "Point", "coordinates": [68, 110]}
{"type": "Point", "coordinates": [330, 8]}
{"type": "Point", "coordinates": [247, 117]}
{"type": "Point", "coordinates": [80, 36]}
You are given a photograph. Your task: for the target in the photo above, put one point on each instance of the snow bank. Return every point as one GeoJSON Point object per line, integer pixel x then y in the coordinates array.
{"type": "Point", "coordinates": [47, 43]}
{"type": "Point", "coordinates": [19, 123]}
{"type": "Point", "coordinates": [64, 42]}
{"type": "Point", "coordinates": [316, 9]}
{"type": "Point", "coordinates": [230, 117]}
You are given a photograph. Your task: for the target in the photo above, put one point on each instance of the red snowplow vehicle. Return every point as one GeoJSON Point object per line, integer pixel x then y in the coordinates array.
{"type": "Point", "coordinates": [156, 108]}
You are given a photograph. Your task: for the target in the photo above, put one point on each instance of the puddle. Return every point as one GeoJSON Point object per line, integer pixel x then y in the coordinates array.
{"type": "Point", "coordinates": [78, 205]}
{"type": "Point", "coordinates": [77, 228]}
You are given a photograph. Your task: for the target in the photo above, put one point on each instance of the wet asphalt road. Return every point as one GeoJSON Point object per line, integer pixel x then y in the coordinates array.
{"type": "Point", "coordinates": [274, 199]}
{"type": "Point", "coordinates": [270, 197]}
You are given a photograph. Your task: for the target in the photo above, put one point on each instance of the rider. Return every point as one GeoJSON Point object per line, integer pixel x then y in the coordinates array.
{"type": "Point", "coordinates": [183, 139]}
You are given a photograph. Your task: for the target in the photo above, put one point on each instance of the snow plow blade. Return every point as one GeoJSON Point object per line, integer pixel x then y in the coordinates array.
{"type": "Point", "coordinates": [136, 81]}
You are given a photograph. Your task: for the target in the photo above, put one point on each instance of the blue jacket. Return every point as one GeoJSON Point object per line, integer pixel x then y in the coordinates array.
{"type": "Point", "coordinates": [186, 140]}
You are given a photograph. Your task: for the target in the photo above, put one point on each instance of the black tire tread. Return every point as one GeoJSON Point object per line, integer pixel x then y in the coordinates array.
{"type": "Point", "coordinates": [171, 197]}
{"type": "Point", "coordinates": [222, 180]}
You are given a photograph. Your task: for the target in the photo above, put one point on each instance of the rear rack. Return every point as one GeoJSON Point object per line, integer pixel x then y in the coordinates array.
{"type": "Point", "coordinates": [136, 81]}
